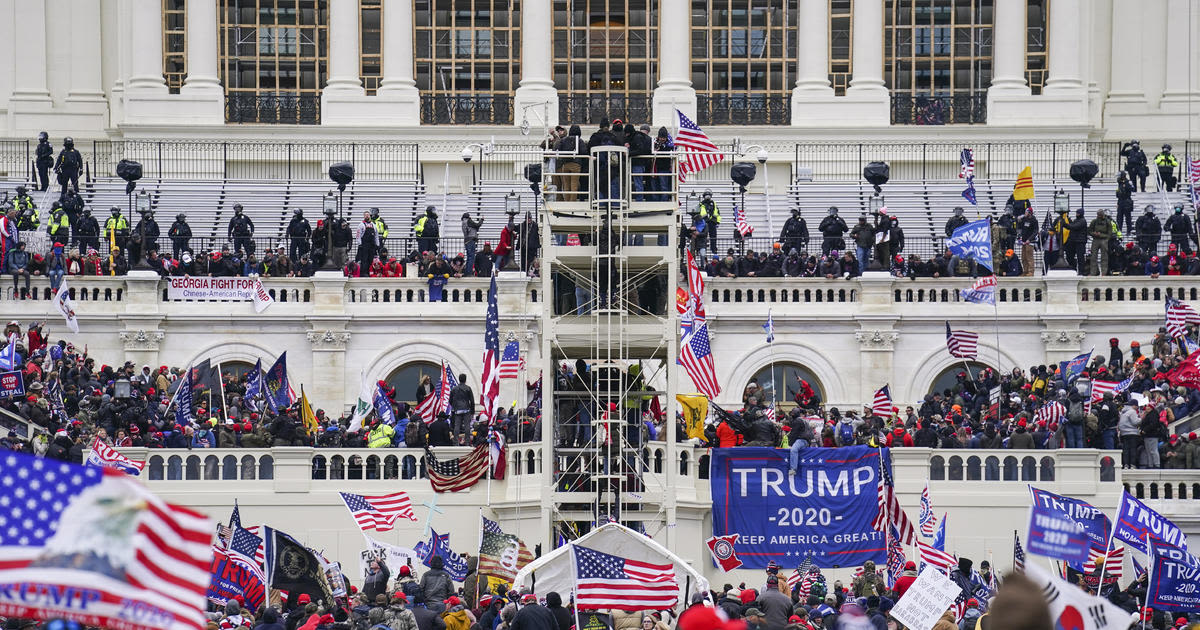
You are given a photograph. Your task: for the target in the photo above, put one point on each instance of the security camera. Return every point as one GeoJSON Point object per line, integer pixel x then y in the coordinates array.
{"type": "Point", "coordinates": [762, 156]}
{"type": "Point", "coordinates": [467, 154]}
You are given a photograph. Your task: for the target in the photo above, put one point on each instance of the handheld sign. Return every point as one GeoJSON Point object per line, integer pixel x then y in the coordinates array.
{"type": "Point", "coordinates": [925, 601]}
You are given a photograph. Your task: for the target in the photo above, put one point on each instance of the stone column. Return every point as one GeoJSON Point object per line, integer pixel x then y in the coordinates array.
{"type": "Point", "coordinates": [1064, 46]}
{"type": "Point", "coordinates": [398, 86]}
{"type": "Point", "coordinates": [1181, 29]}
{"type": "Point", "coordinates": [86, 53]}
{"type": "Point", "coordinates": [146, 69]}
{"type": "Point", "coordinates": [1008, 49]}
{"type": "Point", "coordinates": [1126, 94]}
{"type": "Point", "coordinates": [536, 96]}
{"type": "Point", "coordinates": [29, 42]}
{"type": "Point", "coordinates": [201, 48]}
{"type": "Point", "coordinates": [344, 41]}
{"type": "Point", "coordinates": [868, 48]}
{"type": "Point", "coordinates": [675, 90]}
{"type": "Point", "coordinates": [812, 63]}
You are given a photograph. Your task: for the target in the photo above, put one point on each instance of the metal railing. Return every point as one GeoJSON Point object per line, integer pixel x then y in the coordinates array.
{"type": "Point", "coordinates": [923, 109]}
{"type": "Point", "coordinates": [743, 109]}
{"type": "Point", "coordinates": [447, 109]}
{"type": "Point", "coordinates": [202, 159]}
{"type": "Point", "coordinates": [16, 158]}
{"type": "Point", "coordinates": [831, 161]}
{"type": "Point", "coordinates": [273, 109]}
{"type": "Point", "coordinates": [589, 109]}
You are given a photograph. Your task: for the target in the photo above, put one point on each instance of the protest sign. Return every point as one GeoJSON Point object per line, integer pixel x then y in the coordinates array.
{"type": "Point", "coordinates": [930, 595]}
{"type": "Point", "coordinates": [219, 289]}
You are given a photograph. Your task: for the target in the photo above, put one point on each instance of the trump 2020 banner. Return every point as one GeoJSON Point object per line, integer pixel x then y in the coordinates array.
{"type": "Point", "coordinates": [1094, 523]}
{"type": "Point", "coordinates": [825, 510]}
{"type": "Point", "coordinates": [1174, 579]}
{"type": "Point", "coordinates": [235, 576]}
{"type": "Point", "coordinates": [1136, 522]}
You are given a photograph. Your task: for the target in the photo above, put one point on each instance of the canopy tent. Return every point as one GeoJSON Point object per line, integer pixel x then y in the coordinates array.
{"type": "Point", "coordinates": [554, 572]}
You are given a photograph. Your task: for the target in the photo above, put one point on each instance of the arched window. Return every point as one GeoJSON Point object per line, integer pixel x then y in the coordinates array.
{"type": "Point", "coordinates": [779, 382]}
{"type": "Point", "coordinates": [406, 378]}
{"type": "Point", "coordinates": [156, 468]}
{"type": "Point", "coordinates": [937, 468]}
{"type": "Point", "coordinates": [947, 378]}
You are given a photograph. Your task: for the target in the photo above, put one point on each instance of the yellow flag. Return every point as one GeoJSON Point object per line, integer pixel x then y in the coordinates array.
{"type": "Point", "coordinates": [1024, 189]}
{"type": "Point", "coordinates": [306, 413]}
{"type": "Point", "coordinates": [695, 411]}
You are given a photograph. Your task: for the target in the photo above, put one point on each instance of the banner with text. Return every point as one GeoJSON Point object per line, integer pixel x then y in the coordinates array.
{"type": "Point", "coordinates": [1174, 579]}
{"type": "Point", "coordinates": [1136, 522]}
{"type": "Point", "coordinates": [1094, 522]}
{"type": "Point", "coordinates": [235, 576]}
{"type": "Point", "coordinates": [824, 510]}
{"type": "Point", "coordinates": [219, 289]}
{"type": "Point", "coordinates": [12, 384]}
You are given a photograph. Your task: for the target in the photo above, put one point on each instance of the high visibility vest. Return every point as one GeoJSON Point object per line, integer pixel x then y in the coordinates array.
{"type": "Point", "coordinates": [420, 227]}
{"type": "Point", "coordinates": [1166, 159]}
{"type": "Point", "coordinates": [710, 211]}
{"type": "Point", "coordinates": [59, 222]}
{"type": "Point", "coordinates": [381, 227]}
{"type": "Point", "coordinates": [117, 223]}
{"type": "Point", "coordinates": [381, 436]}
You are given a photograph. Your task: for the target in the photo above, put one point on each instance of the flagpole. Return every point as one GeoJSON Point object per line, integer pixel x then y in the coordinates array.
{"type": "Point", "coordinates": [1014, 552]}
{"type": "Point", "coordinates": [1149, 574]}
{"type": "Point", "coordinates": [221, 382]}
{"type": "Point", "coordinates": [175, 396]}
{"type": "Point", "coordinates": [1104, 560]}
{"type": "Point", "coordinates": [575, 586]}
{"type": "Point", "coordinates": [478, 576]}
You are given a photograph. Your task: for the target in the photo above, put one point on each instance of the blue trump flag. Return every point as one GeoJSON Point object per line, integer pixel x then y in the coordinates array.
{"type": "Point", "coordinates": [183, 401]}
{"type": "Point", "coordinates": [825, 510]}
{"type": "Point", "coordinates": [939, 535]}
{"type": "Point", "coordinates": [1174, 579]}
{"type": "Point", "coordinates": [383, 406]}
{"type": "Point", "coordinates": [1094, 522]}
{"type": "Point", "coordinates": [1070, 370]}
{"type": "Point", "coordinates": [973, 241]}
{"type": "Point", "coordinates": [254, 385]}
{"type": "Point", "coordinates": [439, 545]}
{"type": "Point", "coordinates": [1135, 522]}
{"type": "Point", "coordinates": [1055, 533]}
{"type": "Point", "coordinates": [277, 393]}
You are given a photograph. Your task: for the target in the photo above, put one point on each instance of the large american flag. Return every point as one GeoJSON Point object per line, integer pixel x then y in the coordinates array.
{"type": "Point", "coordinates": [943, 561]}
{"type": "Point", "coordinates": [452, 475]}
{"type": "Point", "coordinates": [882, 405]}
{"type": "Point", "coordinates": [895, 557]}
{"type": "Point", "coordinates": [1179, 315]}
{"type": "Point", "coordinates": [108, 457]}
{"type": "Point", "coordinates": [739, 221]}
{"type": "Point", "coordinates": [925, 519]}
{"type": "Point", "coordinates": [260, 553]}
{"type": "Point", "coordinates": [606, 581]}
{"type": "Point", "coordinates": [696, 151]}
{"type": "Point", "coordinates": [90, 531]}
{"type": "Point", "coordinates": [439, 399]}
{"type": "Point", "coordinates": [510, 361]}
{"type": "Point", "coordinates": [491, 355]}
{"type": "Point", "coordinates": [693, 313]}
{"type": "Point", "coordinates": [801, 572]}
{"type": "Point", "coordinates": [1050, 412]}
{"type": "Point", "coordinates": [1112, 566]}
{"type": "Point", "coordinates": [697, 360]}
{"type": "Point", "coordinates": [1100, 388]}
{"type": "Point", "coordinates": [1018, 554]}
{"type": "Point", "coordinates": [962, 344]}
{"type": "Point", "coordinates": [378, 512]}
{"type": "Point", "coordinates": [889, 511]}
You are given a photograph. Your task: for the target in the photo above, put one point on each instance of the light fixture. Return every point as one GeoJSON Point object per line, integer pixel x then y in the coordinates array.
{"type": "Point", "coordinates": [121, 388]}
{"type": "Point", "coordinates": [142, 201]}
{"type": "Point", "coordinates": [329, 204]}
{"type": "Point", "coordinates": [512, 203]}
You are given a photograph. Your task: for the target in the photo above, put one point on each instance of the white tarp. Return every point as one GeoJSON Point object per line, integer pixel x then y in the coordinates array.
{"type": "Point", "coordinates": [553, 571]}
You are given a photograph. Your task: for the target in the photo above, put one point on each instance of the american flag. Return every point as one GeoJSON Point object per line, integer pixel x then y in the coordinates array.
{"type": "Point", "coordinates": [1051, 412]}
{"type": "Point", "coordinates": [439, 399]}
{"type": "Point", "coordinates": [889, 510]}
{"type": "Point", "coordinates": [245, 543]}
{"type": "Point", "coordinates": [926, 519]}
{"type": "Point", "coordinates": [108, 457]}
{"type": "Point", "coordinates": [1018, 554]}
{"type": "Point", "coordinates": [137, 551]}
{"type": "Point", "coordinates": [697, 360]}
{"type": "Point", "coordinates": [379, 512]}
{"type": "Point", "coordinates": [1100, 388]}
{"type": "Point", "coordinates": [806, 584]}
{"type": "Point", "coordinates": [941, 560]}
{"type": "Point", "coordinates": [739, 221]}
{"type": "Point", "coordinates": [260, 554]}
{"type": "Point", "coordinates": [693, 313]}
{"type": "Point", "coordinates": [1179, 315]}
{"type": "Point", "coordinates": [491, 355]}
{"type": "Point", "coordinates": [962, 344]}
{"type": "Point", "coordinates": [895, 557]}
{"type": "Point", "coordinates": [697, 151]}
{"type": "Point", "coordinates": [1194, 172]}
{"type": "Point", "coordinates": [882, 404]}
{"type": "Point", "coordinates": [960, 605]}
{"type": "Point", "coordinates": [1112, 566]}
{"type": "Point", "coordinates": [801, 572]}
{"type": "Point", "coordinates": [452, 475]}
{"type": "Point", "coordinates": [607, 581]}
{"type": "Point", "coordinates": [510, 361]}
{"type": "Point", "coordinates": [982, 292]}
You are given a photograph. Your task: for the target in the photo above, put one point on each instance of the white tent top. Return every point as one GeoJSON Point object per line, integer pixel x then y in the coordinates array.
{"type": "Point", "coordinates": [553, 571]}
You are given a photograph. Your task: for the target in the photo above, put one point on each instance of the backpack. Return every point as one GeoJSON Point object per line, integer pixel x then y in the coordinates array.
{"type": "Point", "coordinates": [71, 161]}
{"type": "Point", "coordinates": [845, 433]}
{"type": "Point", "coordinates": [1075, 413]}
{"type": "Point", "coordinates": [414, 437]}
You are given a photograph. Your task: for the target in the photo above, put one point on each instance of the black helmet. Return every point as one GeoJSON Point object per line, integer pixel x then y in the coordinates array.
{"type": "Point", "coordinates": [374, 213]}
{"type": "Point", "coordinates": [1166, 147]}
{"type": "Point", "coordinates": [707, 193]}
{"type": "Point", "coordinates": [87, 212]}
{"type": "Point", "coordinates": [430, 210]}
{"type": "Point", "coordinates": [115, 210]}
{"type": "Point", "coordinates": [181, 217]}
{"type": "Point", "coordinates": [237, 208]}
{"type": "Point", "coordinates": [21, 190]}
{"type": "Point", "coordinates": [958, 211]}
{"type": "Point", "coordinates": [43, 136]}
{"type": "Point", "coordinates": [298, 212]}
{"type": "Point", "coordinates": [833, 210]}
{"type": "Point", "coordinates": [69, 142]}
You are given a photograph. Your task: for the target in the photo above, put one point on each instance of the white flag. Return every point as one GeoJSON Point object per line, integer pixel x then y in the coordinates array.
{"type": "Point", "coordinates": [1071, 607]}
{"type": "Point", "coordinates": [62, 300]}
{"type": "Point", "coordinates": [363, 407]}
{"type": "Point", "coordinates": [262, 299]}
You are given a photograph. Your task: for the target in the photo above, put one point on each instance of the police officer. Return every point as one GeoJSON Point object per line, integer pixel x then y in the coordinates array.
{"type": "Point", "coordinates": [87, 232]}
{"type": "Point", "coordinates": [956, 221]}
{"type": "Point", "coordinates": [381, 229]}
{"type": "Point", "coordinates": [73, 204]}
{"type": "Point", "coordinates": [27, 212]}
{"type": "Point", "coordinates": [45, 159]}
{"type": "Point", "coordinates": [1167, 164]}
{"type": "Point", "coordinates": [1149, 231]}
{"type": "Point", "coordinates": [712, 218]}
{"type": "Point", "coordinates": [795, 233]}
{"type": "Point", "coordinates": [180, 234]}
{"type": "Point", "coordinates": [1135, 163]}
{"type": "Point", "coordinates": [832, 228]}
{"type": "Point", "coordinates": [299, 234]}
{"type": "Point", "coordinates": [145, 237]}
{"type": "Point", "coordinates": [426, 231]}
{"type": "Point", "coordinates": [1125, 192]}
{"type": "Point", "coordinates": [59, 224]}
{"type": "Point", "coordinates": [116, 228]}
{"type": "Point", "coordinates": [1180, 227]}
{"type": "Point", "coordinates": [68, 166]}
{"type": "Point", "coordinates": [241, 231]}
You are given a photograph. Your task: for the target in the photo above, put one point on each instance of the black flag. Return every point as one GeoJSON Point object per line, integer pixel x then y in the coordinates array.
{"type": "Point", "coordinates": [294, 568]}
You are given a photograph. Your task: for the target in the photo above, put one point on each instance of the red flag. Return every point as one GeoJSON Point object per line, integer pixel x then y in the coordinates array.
{"type": "Point", "coordinates": [722, 551]}
{"type": "Point", "coordinates": [1187, 373]}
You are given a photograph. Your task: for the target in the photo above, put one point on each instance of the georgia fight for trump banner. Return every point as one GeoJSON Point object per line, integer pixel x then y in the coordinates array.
{"type": "Point", "coordinates": [1174, 579]}
{"type": "Point", "coordinates": [824, 510]}
{"type": "Point", "coordinates": [1135, 522]}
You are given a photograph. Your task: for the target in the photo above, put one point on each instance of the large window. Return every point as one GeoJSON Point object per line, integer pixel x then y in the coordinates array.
{"type": "Point", "coordinates": [605, 59]}
{"type": "Point", "coordinates": [938, 60]}
{"type": "Point", "coordinates": [174, 43]}
{"type": "Point", "coordinates": [273, 58]}
{"type": "Point", "coordinates": [841, 39]}
{"type": "Point", "coordinates": [780, 382]}
{"type": "Point", "coordinates": [743, 60]}
{"type": "Point", "coordinates": [468, 55]}
{"type": "Point", "coordinates": [948, 378]}
{"type": "Point", "coordinates": [370, 28]}
{"type": "Point", "coordinates": [408, 376]}
{"type": "Point", "coordinates": [1037, 54]}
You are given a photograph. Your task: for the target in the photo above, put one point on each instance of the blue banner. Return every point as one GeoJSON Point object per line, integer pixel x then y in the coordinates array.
{"type": "Point", "coordinates": [1055, 534]}
{"type": "Point", "coordinates": [439, 545]}
{"type": "Point", "coordinates": [1094, 523]}
{"type": "Point", "coordinates": [1174, 579]}
{"type": "Point", "coordinates": [12, 384]}
{"type": "Point", "coordinates": [1135, 522]}
{"type": "Point", "coordinates": [277, 393]}
{"type": "Point", "coordinates": [825, 510]}
{"type": "Point", "coordinates": [383, 406]}
{"type": "Point", "coordinates": [1070, 370]}
{"type": "Point", "coordinates": [973, 241]}
{"type": "Point", "coordinates": [235, 577]}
